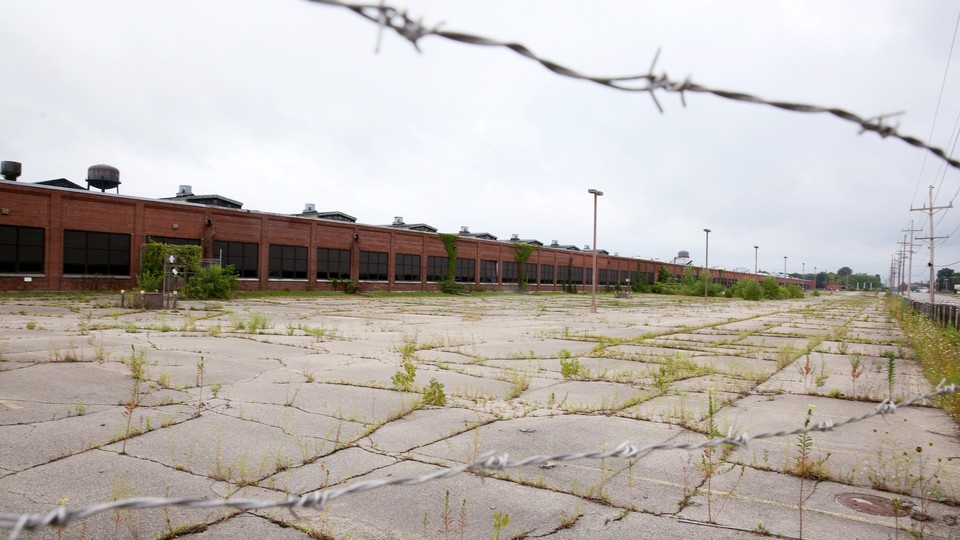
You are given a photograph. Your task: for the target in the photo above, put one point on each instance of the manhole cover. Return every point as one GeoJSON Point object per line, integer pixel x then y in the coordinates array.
{"type": "Point", "coordinates": [870, 504]}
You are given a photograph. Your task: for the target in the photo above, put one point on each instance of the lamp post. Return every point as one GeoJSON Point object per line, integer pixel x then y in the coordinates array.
{"type": "Point", "coordinates": [706, 267]}
{"type": "Point", "coordinates": [784, 267]}
{"type": "Point", "coordinates": [814, 278]}
{"type": "Point", "coordinates": [755, 251]}
{"type": "Point", "coordinates": [593, 282]}
{"type": "Point", "coordinates": [803, 277]}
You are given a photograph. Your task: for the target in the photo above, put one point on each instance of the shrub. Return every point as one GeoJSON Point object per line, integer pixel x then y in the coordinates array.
{"type": "Point", "coordinates": [748, 289]}
{"type": "Point", "coordinates": [212, 282]}
{"type": "Point", "coordinates": [793, 291]}
{"type": "Point", "coordinates": [771, 289]}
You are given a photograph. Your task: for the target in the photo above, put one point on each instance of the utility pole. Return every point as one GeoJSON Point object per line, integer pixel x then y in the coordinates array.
{"type": "Point", "coordinates": [911, 230]}
{"type": "Point", "coordinates": [900, 267]}
{"type": "Point", "coordinates": [930, 210]}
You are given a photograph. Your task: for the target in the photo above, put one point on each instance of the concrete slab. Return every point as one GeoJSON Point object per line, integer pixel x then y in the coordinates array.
{"type": "Point", "coordinates": [97, 476]}
{"type": "Point", "coordinates": [272, 431]}
{"type": "Point", "coordinates": [375, 514]}
{"type": "Point", "coordinates": [752, 499]}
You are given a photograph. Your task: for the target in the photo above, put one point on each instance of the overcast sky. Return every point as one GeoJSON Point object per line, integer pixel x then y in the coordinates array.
{"type": "Point", "coordinates": [279, 103]}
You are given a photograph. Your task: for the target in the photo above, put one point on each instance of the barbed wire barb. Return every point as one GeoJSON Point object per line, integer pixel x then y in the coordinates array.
{"type": "Point", "coordinates": [489, 462]}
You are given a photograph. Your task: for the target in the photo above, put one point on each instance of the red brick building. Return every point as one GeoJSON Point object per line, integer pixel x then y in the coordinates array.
{"type": "Point", "coordinates": [56, 238]}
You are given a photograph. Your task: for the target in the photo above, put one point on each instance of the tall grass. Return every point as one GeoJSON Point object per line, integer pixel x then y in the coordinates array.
{"type": "Point", "coordinates": [937, 349]}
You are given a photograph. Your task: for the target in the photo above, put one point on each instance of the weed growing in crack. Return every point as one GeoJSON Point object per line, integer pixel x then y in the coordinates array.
{"type": "Point", "coordinates": [786, 355]}
{"type": "Point", "coordinates": [519, 382]}
{"type": "Point", "coordinates": [500, 522]}
{"type": "Point", "coordinates": [569, 365]}
{"type": "Point", "coordinates": [403, 380]}
{"type": "Point", "coordinates": [856, 369]}
{"type": "Point", "coordinates": [136, 361]}
{"type": "Point", "coordinates": [891, 373]}
{"type": "Point", "coordinates": [201, 367]}
{"type": "Point", "coordinates": [804, 466]}
{"type": "Point", "coordinates": [433, 394]}
{"type": "Point", "coordinates": [805, 369]}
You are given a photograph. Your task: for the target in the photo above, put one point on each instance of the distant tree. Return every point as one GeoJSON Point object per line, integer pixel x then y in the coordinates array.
{"type": "Point", "coordinates": [945, 279]}
{"type": "Point", "coordinates": [845, 271]}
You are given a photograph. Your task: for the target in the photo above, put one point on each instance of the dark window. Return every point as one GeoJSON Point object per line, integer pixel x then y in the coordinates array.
{"type": "Point", "coordinates": [243, 256]}
{"type": "Point", "coordinates": [21, 250]}
{"type": "Point", "coordinates": [546, 274]}
{"type": "Point", "coordinates": [624, 276]}
{"type": "Point", "coordinates": [436, 268]}
{"type": "Point", "coordinates": [602, 276]}
{"type": "Point", "coordinates": [466, 271]}
{"type": "Point", "coordinates": [173, 241]}
{"type": "Point", "coordinates": [87, 253]}
{"type": "Point", "coordinates": [531, 272]}
{"type": "Point", "coordinates": [333, 263]}
{"type": "Point", "coordinates": [287, 262]}
{"type": "Point", "coordinates": [576, 275]}
{"type": "Point", "coordinates": [373, 266]}
{"type": "Point", "coordinates": [563, 274]}
{"type": "Point", "coordinates": [488, 271]}
{"type": "Point", "coordinates": [406, 267]}
{"type": "Point", "coordinates": [589, 280]}
{"type": "Point", "coordinates": [511, 272]}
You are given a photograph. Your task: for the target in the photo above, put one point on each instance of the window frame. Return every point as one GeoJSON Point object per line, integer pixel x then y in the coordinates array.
{"type": "Point", "coordinates": [374, 266]}
{"type": "Point", "coordinates": [91, 253]}
{"type": "Point", "coordinates": [287, 262]}
{"type": "Point", "coordinates": [406, 268]}
{"type": "Point", "coordinates": [230, 253]}
{"type": "Point", "coordinates": [332, 267]}
{"type": "Point", "coordinates": [21, 261]}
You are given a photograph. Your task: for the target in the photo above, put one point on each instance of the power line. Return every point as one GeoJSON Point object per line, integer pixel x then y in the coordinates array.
{"type": "Point", "coordinates": [943, 83]}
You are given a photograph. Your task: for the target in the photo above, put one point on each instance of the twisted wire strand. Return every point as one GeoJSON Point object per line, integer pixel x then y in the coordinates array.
{"type": "Point", "coordinates": [489, 462]}
{"type": "Point", "coordinates": [413, 30]}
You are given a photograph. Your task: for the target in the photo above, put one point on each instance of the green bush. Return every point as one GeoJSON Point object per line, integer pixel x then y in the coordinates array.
{"type": "Point", "coordinates": [792, 291]}
{"type": "Point", "coordinates": [212, 282]}
{"type": "Point", "coordinates": [748, 289]}
{"type": "Point", "coordinates": [771, 289]}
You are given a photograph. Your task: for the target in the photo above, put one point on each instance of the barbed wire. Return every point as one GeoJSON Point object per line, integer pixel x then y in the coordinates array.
{"type": "Point", "coordinates": [489, 462]}
{"type": "Point", "coordinates": [413, 30]}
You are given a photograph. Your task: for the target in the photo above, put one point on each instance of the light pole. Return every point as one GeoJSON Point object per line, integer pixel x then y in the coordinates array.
{"type": "Point", "coordinates": [706, 267]}
{"type": "Point", "coordinates": [593, 282]}
{"type": "Point", "coordinates": [803, 277]}
{"type": "Point", "coordinates": [784, 267]}
{"type": "Point", "coordinates": [814, 278]}
{"type": "Point", "coordinates": [755, 251]}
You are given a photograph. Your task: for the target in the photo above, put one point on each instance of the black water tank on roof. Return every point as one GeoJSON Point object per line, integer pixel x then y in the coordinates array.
{"type": "Point", "coordinates": [10, 170]}
{"type": "Point", "coordinates": [103, 177]}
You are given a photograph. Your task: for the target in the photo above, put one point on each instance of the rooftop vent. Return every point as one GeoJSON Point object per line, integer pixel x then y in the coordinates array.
{"type": "Point", "coordinates": [398, 220]}
{"type": "Point", "coordinates": [554, 243]}
{"type": "Point", "coordinates": [10, 170]}
{"type": "Point", "coordinates": [514, 237]}
{"type": "Point", "coordinates": [464, 229]}
{"type": "Point", "coordinates": [310, 208]}
{"type": "Point", "coordinates": [185, 191]}
{"type": "Point", "coordinates": [103, 177]}
{"type": "Point", "coordinates": [586, 247]}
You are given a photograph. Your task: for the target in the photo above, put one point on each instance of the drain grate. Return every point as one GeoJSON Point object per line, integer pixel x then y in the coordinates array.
{"type": "Point", "coordinates": [870, 504]}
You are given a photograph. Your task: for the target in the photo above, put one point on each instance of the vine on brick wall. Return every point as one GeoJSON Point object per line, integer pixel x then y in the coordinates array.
{"type": "Point", "coordinates": [449, 284]}
{"type": "Point", "coordinates": [521, 253]}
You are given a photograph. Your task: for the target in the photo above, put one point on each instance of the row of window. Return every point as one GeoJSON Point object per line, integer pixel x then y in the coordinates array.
{"type": "Point", "coordinates": [88, 253]}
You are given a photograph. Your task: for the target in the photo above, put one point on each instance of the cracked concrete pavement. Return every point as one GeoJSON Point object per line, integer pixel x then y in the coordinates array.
{"type": "Point", "coordinates": [266, 397]}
